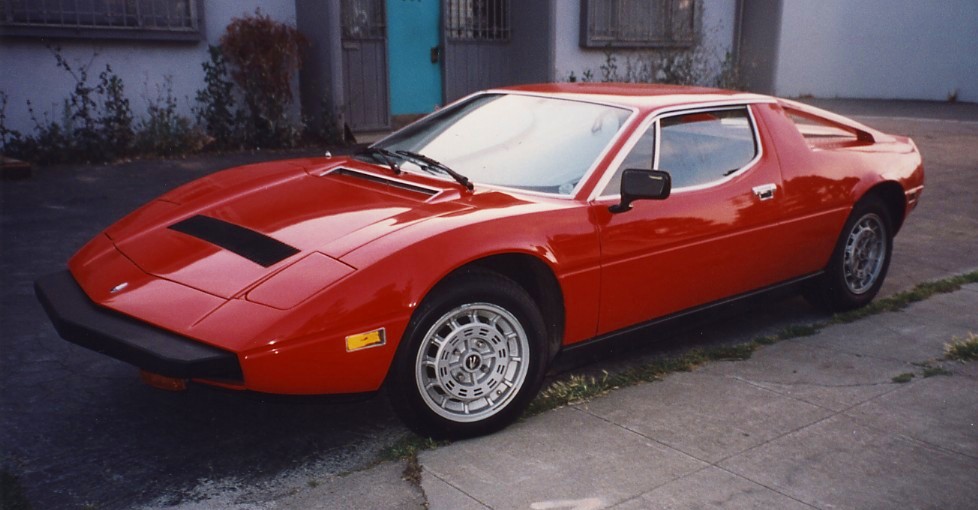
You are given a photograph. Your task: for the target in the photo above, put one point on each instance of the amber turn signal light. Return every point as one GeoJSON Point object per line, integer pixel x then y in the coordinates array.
{"type": "Point", "coordinates": [363, 340]}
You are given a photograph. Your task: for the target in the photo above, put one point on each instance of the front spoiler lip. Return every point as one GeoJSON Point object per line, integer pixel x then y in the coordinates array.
{"type": "Point", "coordinates": [81, 321]}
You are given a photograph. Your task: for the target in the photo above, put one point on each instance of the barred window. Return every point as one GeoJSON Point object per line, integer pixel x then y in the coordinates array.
{"type": "Point", "coordinates": [478, 20]}
{"type": "Point", "coordinates": [102, 19]}
{"type": "Point", "coordinates": [363, 19]}
{"type": "Point", "coordinates": [639, 23]}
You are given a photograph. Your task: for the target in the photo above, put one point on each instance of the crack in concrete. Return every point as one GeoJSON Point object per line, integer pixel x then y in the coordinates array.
{"type": "Point", "coordinates": [694, 457]}
{"type": "Point", "coordinates": [450, 484]}
{"type": "Point", "coordinates": [758, 383]}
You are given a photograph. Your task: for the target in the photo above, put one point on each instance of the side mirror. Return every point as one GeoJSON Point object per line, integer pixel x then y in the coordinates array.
{"type": "Point", "coordinates": [642, 184]}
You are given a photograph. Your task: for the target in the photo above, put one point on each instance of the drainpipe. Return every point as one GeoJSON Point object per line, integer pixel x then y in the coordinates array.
{"type": "Point", "coordinates": [738, 31]}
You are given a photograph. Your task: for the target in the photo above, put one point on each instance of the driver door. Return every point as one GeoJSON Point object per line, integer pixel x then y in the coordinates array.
{"type": "Point", "coordinates": [715, 236]}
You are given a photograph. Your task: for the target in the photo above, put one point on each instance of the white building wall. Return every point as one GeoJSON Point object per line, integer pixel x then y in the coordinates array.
{"type": "Point", "coordinates": [718, 19]}
{"type": "Point", "coordinates": [889, 49]}
{"type": "Point", "coordinates": [28, 69]}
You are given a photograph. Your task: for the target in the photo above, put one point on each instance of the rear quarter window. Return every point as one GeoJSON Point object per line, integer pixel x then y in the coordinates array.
{"type": "Point", "coordinates": [821, 133]}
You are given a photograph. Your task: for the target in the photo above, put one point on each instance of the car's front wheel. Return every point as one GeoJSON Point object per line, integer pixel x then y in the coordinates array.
{"type": "Point", "coordinates": [472, 358]}
{"type": "Point", "coordinates": [860, 260]}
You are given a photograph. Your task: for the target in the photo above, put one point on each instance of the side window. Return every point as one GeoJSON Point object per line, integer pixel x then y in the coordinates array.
{"type": "Point", "coordinates": [702, 147]}
{"type": "Point", "coordinates": [639, 157]}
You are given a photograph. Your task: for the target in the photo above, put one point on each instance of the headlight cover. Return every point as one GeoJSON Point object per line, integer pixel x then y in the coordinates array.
{"type": "Point", "coordinates": [299, 281]}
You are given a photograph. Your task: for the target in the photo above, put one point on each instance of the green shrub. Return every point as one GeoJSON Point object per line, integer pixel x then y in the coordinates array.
{"type": "Point", "coordinates": [164, 132]}
{"type": "Point", "coordinates": [215, 102]}
{"type": "Point", "coordinates": [264, 56]}
{"type": "Point", "coordinates": [95, 123]}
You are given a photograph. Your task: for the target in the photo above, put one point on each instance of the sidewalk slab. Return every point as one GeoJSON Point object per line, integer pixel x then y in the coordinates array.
{"type": "Point", "coordinates": [804, 423]}
{"type": "Point", "coordinates": [969, 370]}
{"type": "Point", "coordinates": [559, 456]}
{"type": "Point", "coordinates": [839, 463]}
{"type": "Point", "coordinates": [895, 336]}
{"type": "Point", "coordinates": [713, 488]}
{"type": "Point", "coordinates": [826, 378]}
{"type": "Point", "coordinates": [939, 411]}
{"type": "Point", "coordinates": [903, 336]}
{"type": "Point", "coordinates": [442, 496]}
{"type": "Point", "coordinates": [706, 416]}
{"type": "Point", "coordinates": [956, 309]}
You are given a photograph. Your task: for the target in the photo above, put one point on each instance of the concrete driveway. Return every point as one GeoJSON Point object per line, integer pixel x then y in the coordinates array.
{"type": "Point", "coordinates": [810, 423]}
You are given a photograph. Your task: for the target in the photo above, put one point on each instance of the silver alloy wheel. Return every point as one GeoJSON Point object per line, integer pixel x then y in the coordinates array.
{"type": "Point", "coordinates": [472, 362]}
{"type": "Point", "coordinates": [865, 253]}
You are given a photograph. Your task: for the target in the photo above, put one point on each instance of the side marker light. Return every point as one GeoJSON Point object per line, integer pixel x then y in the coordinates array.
{"type": "Point", "coordinates": [359, 341]}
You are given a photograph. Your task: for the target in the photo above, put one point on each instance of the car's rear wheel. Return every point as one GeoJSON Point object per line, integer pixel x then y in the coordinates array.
{"type": "Point", "coordinates": [860, 260]}
{"type": "Point", "coordinates": [472, 358]}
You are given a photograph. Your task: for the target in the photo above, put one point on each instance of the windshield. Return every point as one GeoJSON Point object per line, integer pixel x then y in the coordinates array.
{"type": "Point", "coordinates": [526, 142]}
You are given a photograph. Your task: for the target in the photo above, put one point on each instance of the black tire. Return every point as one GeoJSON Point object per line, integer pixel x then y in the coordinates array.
{"type": "Point", "coordinates": [859, 261]}
{"type": "Point", "coordinates": [473, 333]}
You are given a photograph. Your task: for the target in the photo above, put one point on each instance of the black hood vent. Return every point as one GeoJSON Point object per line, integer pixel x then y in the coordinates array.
{"type": "Point", "coordinates": [254, 246]}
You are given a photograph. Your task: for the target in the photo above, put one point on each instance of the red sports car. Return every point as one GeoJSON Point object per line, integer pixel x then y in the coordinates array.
{"type": "Point", "coordinates": [455, 258]}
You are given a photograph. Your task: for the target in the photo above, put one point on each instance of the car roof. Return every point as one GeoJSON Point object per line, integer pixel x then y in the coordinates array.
{"type": "Point", "coordinates": [638, 95]}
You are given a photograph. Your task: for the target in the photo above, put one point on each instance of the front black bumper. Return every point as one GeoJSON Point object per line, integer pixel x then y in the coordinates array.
{"type": "Point", "coordinates": [81, 321]}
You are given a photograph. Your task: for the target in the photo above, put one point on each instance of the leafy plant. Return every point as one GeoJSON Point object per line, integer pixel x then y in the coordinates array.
{"type": "Point", "coordinates": [115, 119]}
{"type": "Point", "coordinates": [699, 65]}
{"type": "Point", "coordinates": [7, 135]}
{"type": "Point", "coordinates": [609, 70]}
{"type": "Point", "coordinates": [264, 57]}
{"type": "Point", "coordinates": [164, 131]}
{"type": "Point", "coordinates": [50, 143]}
{"type": "Point", "coordinates": [324, 128]}
{"type": "Point", "coordinates": [215, 102]}
{"type": "Point", "coordinates": [96, 122]}
{"type": "Point", "coordinates": [81, 120]}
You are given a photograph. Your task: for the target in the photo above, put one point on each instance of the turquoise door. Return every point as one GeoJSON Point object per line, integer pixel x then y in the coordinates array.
{"type": "Point", "coordinates": [413, 41]}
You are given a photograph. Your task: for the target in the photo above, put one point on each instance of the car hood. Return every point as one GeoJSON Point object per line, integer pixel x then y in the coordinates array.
{"type": "Point", "coordinates": [224, 233]}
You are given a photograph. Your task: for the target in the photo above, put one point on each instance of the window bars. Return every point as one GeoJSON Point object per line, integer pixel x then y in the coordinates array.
{"type": "Point", "coordinates": [94, 17]}
{"type": "Point", "coordinates": [363, 19]}
{"type": "Point", "coordinates": [477, 20]}
{"type": "Point", "coordinates": [639, 23]}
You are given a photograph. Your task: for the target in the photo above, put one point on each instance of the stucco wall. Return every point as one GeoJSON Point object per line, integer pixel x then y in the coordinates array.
{"type": "Point", "coordinates": [717, 29]}
{"type": "Point", "coordinates": [903, 49]}
{"type": "Point", "coordinates": [28, 70]}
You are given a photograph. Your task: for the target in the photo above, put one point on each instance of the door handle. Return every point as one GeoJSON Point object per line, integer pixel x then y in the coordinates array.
{"type": "Point", "coordinates": [435, 54]}
{"type": "Point", "coordinates": [765, 191]}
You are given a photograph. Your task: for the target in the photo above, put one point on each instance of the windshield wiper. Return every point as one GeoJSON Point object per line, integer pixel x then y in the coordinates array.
{"type": "Point", "coordinates": [431, 163]}
{"type": "Point", "coordinates": [384, 154]}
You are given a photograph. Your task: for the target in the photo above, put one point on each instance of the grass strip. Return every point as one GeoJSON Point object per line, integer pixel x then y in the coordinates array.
{"type": "Point", "coordinates": [580, 388]}
{"type": "Point", "coordinates": [901, 300]}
